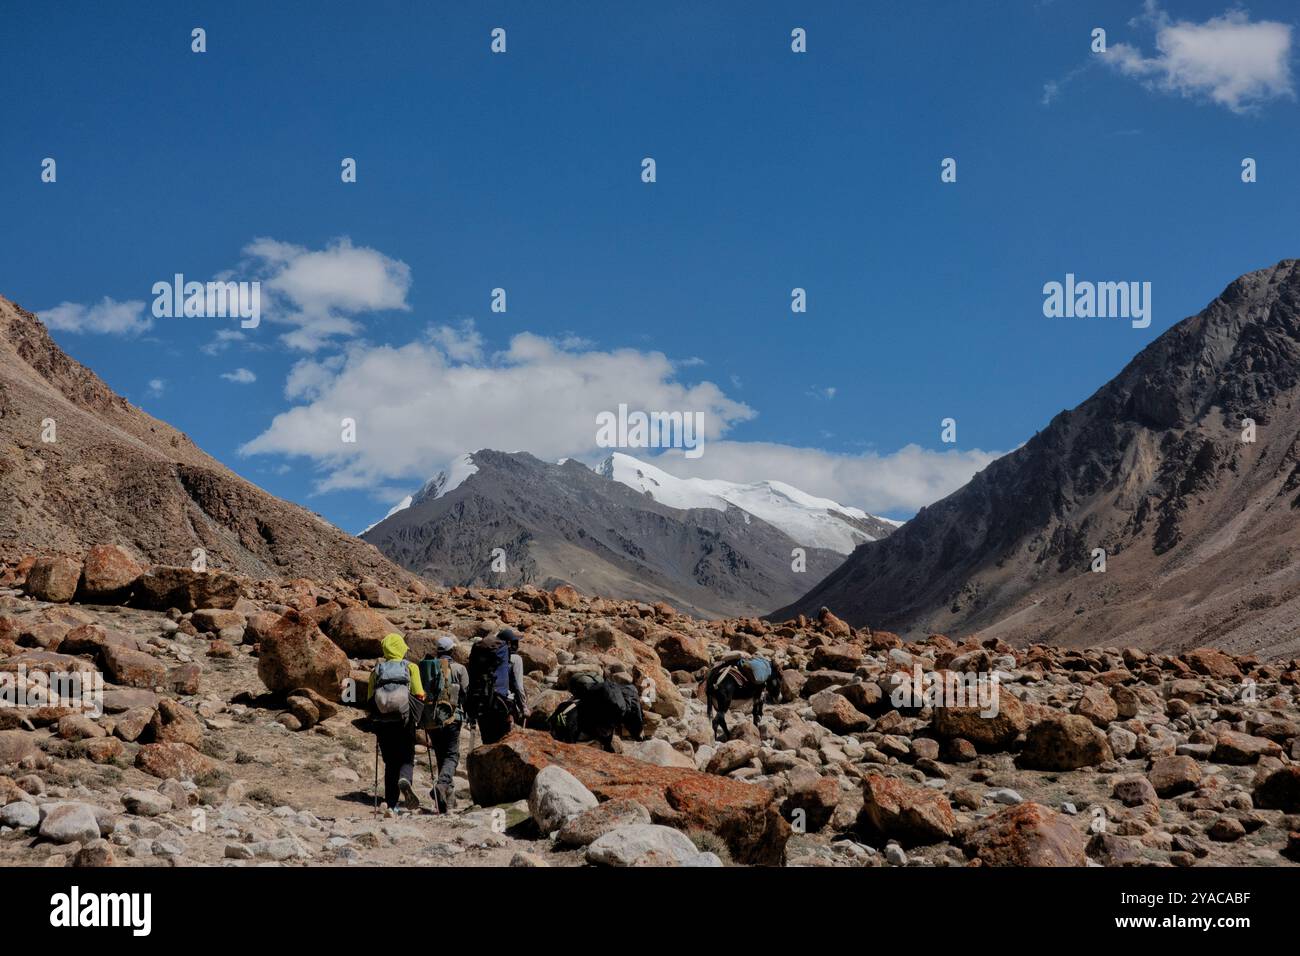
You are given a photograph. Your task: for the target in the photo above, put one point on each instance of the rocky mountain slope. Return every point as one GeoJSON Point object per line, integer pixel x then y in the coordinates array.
{"type": "Point", "coordinates": [116, 474]}
{"type": "Point", "coordinates": [1200, 529]}
{"type": "Point", "coordinates": [564, 523]}
{"type": "Point", "coordinates": [224, 704]}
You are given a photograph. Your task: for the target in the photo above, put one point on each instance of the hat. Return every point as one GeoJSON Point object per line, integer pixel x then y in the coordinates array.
{"type": "Point", "coordinates": [445, 644]}
{"type": "Point", "coordinates": [509, 634]}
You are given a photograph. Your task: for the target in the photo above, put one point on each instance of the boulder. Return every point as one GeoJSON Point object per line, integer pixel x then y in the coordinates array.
{"type": "Point", "coordinates": [212, 620]}
{"type": "Point", "coordinates": [108, 575]}
{"type": "Point", "coordinates": [681, 652]}
{"type": "Point", "coordinates": [592, 824]}
{"type": "Point", "coordinates": [837, 657]}
{"type": "Point", "coordinates": [557, 797]}
{"type": "Point", "coordinates": [730, 756]}
{"type": "Point", "coordinates": [173, 761]}
{"type": "Point", "coordinates": [643, 844]}
{"type": "Point", "coordinates": [1134, 790]}
{"type": "Point", "coordinates": [1098, 706]}
{"type": "Point", "coordinates": [376, 595]}
{"type": "Point", "coordinates": [69, 823]}
{"type": "Point", "coordinates": [988, 733]}
{"type": "Point", "coordinates": [174, 723]}
{"type": "Point", "coordinates": [1279, 790]}
{"type": "Point", "coordinates": [1213, 663]}
{"type": "Point", "coordinates": [1064, 742]}
{"type": "Point", "coordinates": [1241, 749]}
{"type": "Point", "coordinates": [16, 746]}
{"type": "Point", "coordinates": [1172, 775]}
{"type": "Point", "coordinates": [811, 800]}
{"type": "Point", "coordinates": [657, 751]}
{"type": "Point", "coordinates": [359, 631]}
{"type": "Point", "coordinates": [1027, 834]}
{"type": "Point", "coordinates": [132, 668]}
{"type": "Point", "coordinates": [296, 654]}
{"type": "Point", "coordinates": [745, 816]}
{"type": "Point", "coordinates": [834, 712]}
{"type": "Point", "coordinates": [53, 579]}
{"type": "Point", "coordinates": [895, 810]}
{"type": "Point", "coordinates": [162, 587]}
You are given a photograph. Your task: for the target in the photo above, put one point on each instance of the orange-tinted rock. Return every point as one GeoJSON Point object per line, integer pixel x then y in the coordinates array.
{"type": "Point", "coordinates": [296, 654]}
{"type": "Point", "coordinates": [895, 810]}
{"type": "Point", "coordinates": [359, 631]}
{"type": "Point", "coordinates": [173, 761]}
{"type": "Point", "coordinates": [108, 574]}
{"type": "Point", "coordinates": [53, 579]}
{"type": "Point", "coordinates": [163, 587]}
{"type": "Point", "coordinates": [744, 815]}
{"type": "Point", "coordinates": [1213, 663]}
{"type": "Point", "coordinates": [1026, 835]}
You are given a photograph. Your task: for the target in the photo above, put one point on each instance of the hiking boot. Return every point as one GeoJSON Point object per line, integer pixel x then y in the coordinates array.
{"type": "Point", "coordinates": [440, 798]}
{"type": "Point", "coordinates": [410, 799]}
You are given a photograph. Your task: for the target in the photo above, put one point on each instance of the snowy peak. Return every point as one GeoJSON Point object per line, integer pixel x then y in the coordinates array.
{"type": "Point", "coordinates": [440, 484]}
{"type": "Point", "coordinates": [811, 521]}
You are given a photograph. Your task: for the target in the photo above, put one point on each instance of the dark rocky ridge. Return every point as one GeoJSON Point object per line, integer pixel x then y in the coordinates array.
{"type": "Point", "coordinates": [1200, 529]}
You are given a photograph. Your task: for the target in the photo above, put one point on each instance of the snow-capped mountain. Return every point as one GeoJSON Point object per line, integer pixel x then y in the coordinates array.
{"type": "Point", "coordinates": [719, 549]}
{"type": "Point", "coordinates": [437, 486]}
{"type": "Point", "coordinates": [811, 521]}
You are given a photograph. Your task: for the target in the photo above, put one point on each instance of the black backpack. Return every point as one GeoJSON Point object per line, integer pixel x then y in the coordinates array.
{"type": "Point", "coordinates": [489, 676]}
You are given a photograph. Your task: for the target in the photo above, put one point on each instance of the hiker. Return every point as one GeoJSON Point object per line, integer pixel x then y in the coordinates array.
{"type": "Point", "coordinates": [496, 685]}
{"type": "Point", "coordinates": [597, 710]}
{"type": "Point", "coordinates": [447, 687]}
{"type": "Point", "coordinates": [395, 693]}
{"type": "Point", "coordinates": [739, 679]}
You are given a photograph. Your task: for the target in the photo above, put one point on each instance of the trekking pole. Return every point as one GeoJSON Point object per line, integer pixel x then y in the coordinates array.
{"type": "Point", "coordinates": [376, 773]}
{"type": "Point", "coordinates": [433, 777]}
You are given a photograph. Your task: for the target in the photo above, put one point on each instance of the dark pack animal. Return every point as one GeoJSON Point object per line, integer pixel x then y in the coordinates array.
{"type": "Point", "coordinates": [739, 680]}
{"type": "Point", "coordinates": [598, 710]}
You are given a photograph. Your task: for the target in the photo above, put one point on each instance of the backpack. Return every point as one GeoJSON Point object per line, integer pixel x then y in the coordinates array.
{"type": "Point", "coordinates": [392, 697]}
{"type": "Point", "coordinates": [760, 669]}
{"type": "Point", "coordinates": [441, 693]}
{"type": "Point", "coordinates": [563, 724]}
{"type": "Point", "coordinates": [489, 675]}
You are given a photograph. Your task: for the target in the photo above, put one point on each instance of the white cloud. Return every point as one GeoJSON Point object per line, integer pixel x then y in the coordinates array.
{"type": "Point", "coordinates": [240, 376]}
{"type": "Point", "coordinates": [222, 341]}
{"type": "Point", "coordinates": [106, 317]}
{"type": "Point", "coordinates": [157, 386]}
{"type": "Point", "coordinates": [903, 481]}
{"type": "Point", "coordinates": [1228, 59]}
{"type": "Point", "coordinates": [321, 291]}
{"type": "Point", "coordinates": [419, 405]}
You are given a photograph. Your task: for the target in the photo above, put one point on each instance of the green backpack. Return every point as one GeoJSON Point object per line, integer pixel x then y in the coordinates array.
{"type": "Point", "coordinates": [441, 693]}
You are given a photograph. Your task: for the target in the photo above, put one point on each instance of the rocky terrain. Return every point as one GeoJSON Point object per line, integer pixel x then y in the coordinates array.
{"type": "Point", "coordinates": [515, 519]}
{"type": "Point", "coordinates": [228, 738]}
{"type": "Point", "coordinates": [1197, 516]}
{"type": "Point", "coordinates": [79, 465]}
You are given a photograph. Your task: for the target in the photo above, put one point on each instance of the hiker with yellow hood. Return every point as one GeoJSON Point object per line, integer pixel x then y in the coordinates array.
{"type": "Point", "coordinates": [393, 683]}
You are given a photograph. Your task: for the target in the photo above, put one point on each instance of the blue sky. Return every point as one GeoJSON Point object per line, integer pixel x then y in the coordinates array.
{"type": "Point", "coordinates": [522, 170]}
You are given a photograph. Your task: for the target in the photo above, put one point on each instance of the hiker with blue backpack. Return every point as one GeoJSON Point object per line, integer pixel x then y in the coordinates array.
{"type": "Point", "coordinates": [447, 687]}
{"type": "Point", "coordinates": [496, 685]}
{"type": "Point", "coordinates": [395, 695]}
